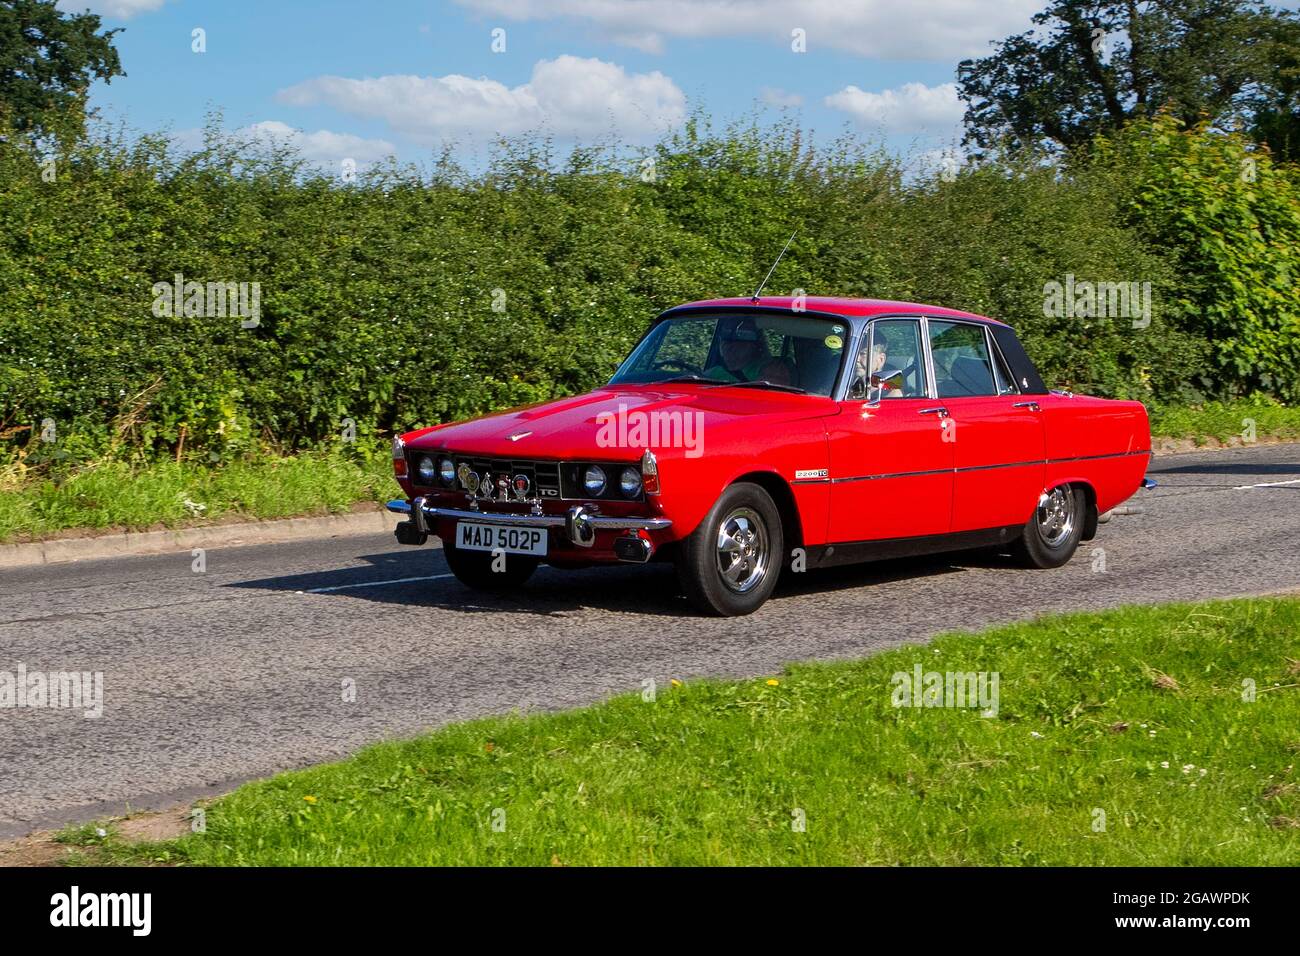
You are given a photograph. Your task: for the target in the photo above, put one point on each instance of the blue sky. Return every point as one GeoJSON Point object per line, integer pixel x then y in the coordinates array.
{"type": "Point", "coordinates": [357, 80]}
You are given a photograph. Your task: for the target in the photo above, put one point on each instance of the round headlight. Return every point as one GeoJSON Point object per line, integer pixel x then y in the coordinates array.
{"type": "Point", "coordinates": [424, 470]}
{"type": "Point", "coordinates": [447, 471]}
{"type": "Point", "coordinates": [593, 479]}
{"type": "Point", "coordinates": [629, 482]}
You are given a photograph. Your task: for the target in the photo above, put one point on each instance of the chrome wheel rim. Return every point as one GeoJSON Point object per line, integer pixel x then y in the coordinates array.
{"type": "Point", "coordinates": [742, 550]}
{"type": "Point", "coordinates": [1056, 516]}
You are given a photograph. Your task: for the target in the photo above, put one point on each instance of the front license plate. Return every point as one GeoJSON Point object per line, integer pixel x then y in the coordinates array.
{"type": "Point", "coordinates": [497, 537]}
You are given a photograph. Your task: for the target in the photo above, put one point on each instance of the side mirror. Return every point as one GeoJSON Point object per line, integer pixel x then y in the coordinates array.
{"type": "Point", "coordinates": [875, 392]}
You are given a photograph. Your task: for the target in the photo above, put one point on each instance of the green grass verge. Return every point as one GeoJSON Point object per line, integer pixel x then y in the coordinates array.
{"type": "Point", "coordinates": [1138, 713]}
{"type": "Point", "coordinates": [119, 495]}
{"type": "Point", "coordinates": [1224, 420]}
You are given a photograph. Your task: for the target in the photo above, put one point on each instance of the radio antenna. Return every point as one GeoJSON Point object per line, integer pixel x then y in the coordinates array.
{"type": "Point", "coordinates": [774, 265]}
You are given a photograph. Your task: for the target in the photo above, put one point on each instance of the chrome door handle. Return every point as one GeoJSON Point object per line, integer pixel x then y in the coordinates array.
{"type": "Point", "coordinates": [1032, 406]}
{"type": "Point", "coordinates": [938, 410]}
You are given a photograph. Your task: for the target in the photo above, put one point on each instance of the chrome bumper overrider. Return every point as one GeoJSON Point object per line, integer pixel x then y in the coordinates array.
{"type": "Point", "coordinates": [580, 522]}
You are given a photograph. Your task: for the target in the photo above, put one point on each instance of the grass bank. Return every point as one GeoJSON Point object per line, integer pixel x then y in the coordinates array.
{"type": "Point", "coordinates": [1222, 421]}
{"type": "Point", "coordinates": [1142, 736]}
{"type": "Point", "coordinates": [170, 494]}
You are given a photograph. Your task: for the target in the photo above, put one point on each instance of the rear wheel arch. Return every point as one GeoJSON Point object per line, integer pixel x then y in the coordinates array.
{"type": "Point", "coordinates": [1090, 497]}
{"type": "Point", "coordinates": [1089, 518]}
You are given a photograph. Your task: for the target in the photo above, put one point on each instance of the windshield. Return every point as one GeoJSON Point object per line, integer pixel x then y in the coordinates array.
{"type": "Point", "coordinates": [790, 352]}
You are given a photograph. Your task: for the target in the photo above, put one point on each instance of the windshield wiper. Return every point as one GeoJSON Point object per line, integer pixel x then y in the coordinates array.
{"type": "Point", "coordinates": [764, 383]}
{"type": "Point", "coordinates": [686, 378]}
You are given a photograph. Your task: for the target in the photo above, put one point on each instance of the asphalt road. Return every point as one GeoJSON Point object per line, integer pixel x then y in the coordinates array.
{"type": "Point", "coordinates": [216, 677]}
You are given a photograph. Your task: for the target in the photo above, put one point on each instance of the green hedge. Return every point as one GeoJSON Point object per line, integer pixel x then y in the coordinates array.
{"type": "Point", "coordinates": [377, 297]}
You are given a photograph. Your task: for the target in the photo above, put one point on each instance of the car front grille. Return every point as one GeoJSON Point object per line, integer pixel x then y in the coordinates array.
{"type": "Point", "coordinates": [543, 476]}
{"type": "Point", "coordinates": [547, 480]}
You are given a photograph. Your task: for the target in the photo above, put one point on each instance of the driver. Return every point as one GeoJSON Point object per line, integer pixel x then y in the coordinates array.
{"type": "Point", "coordinates": [880, 374]}
{"type": "Point", "coordinates": [745, 358]}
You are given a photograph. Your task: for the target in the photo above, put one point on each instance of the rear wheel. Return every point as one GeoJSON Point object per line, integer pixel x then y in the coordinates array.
{"type": "Point", "coordinates": [730, 563]}
{"type": "Point", "coordinates": [1052, 533]}
{"type": "Point", "coordinates": [476, 569]}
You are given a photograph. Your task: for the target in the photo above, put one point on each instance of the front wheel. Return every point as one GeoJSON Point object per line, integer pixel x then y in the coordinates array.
{"type": "Point", "coordinates": [1051, 535]}
{"type": "Point", "coordinates": [728, 566]}
{"type": "Point", "coordinates": [485, 571]}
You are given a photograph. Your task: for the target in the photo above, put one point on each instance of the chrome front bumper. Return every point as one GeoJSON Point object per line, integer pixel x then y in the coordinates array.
{"type": "Point", "coordinates": [579, 522]}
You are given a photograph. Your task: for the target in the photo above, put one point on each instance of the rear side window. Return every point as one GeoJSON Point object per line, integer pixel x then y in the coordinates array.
{"type": "Point", "coordinates": [962, 365]}
{"type": "Point", "coordinates": [1006, 384]}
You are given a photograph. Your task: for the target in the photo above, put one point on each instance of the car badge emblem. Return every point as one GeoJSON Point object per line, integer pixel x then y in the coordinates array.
{"type": "Point", "coordinates": [519, 435]}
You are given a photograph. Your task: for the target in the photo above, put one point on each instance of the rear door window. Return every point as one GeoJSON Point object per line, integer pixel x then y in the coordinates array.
{"type": "Point", "coordinates": [962, 364]}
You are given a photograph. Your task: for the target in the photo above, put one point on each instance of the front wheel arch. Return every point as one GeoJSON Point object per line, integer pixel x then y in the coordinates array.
{"type": "Point", "coordinates": [755, 547]}
{"type": "Point", "coordinates": [783, 497]}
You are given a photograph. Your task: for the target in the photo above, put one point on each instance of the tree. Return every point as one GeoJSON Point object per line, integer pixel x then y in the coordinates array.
{"type": "Point", "coordinates": [1090, 66]}
{"type": "Point", "coordinates": [48, 59]}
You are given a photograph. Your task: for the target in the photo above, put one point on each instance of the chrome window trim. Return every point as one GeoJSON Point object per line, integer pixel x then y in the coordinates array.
{"type": "Point", "coordinates": [988, 337]}
{"type": "Point", "coordinates": [1001, 366]}
{"type": "Point", "coordinates": [868, 333]}
{"type": "Point", "coordinates": [838, 387]}
{"type": "Point", "coordinates": [932, 391]}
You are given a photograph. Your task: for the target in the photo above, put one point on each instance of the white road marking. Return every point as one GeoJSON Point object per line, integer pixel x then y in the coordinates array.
{"type": "Point", "coordinates": [1268, 484]}
{"type": "Point", "coordinates": [375, 584]}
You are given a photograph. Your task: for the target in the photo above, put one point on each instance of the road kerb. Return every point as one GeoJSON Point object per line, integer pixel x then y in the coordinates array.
{"type": "Point", "coordinates": [124, 544]}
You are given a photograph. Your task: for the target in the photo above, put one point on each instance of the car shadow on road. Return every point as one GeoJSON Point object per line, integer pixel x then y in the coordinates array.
{"type": "Point", "coordinates": [411, 579]}
{"type": "Point", "coordinates": [1231, 468]}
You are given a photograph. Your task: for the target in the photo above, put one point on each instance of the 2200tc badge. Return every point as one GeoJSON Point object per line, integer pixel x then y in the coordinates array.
{"type": "Point", "coordinates": [777, 435]}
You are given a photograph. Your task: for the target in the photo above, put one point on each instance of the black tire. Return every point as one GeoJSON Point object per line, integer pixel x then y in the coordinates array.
{"type": "Point", "coordinates": [752, 556]}
{"type": "Point", "coordinates": [474, 569]}
{"type": "Point", "coordinates": [1052, 533]}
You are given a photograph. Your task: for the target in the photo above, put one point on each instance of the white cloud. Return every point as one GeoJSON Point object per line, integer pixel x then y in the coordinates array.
{"type": "Point", "coordinates": [941, 30]}
{"type": "Point", "coordinates": [569, 96]}
{"type": "Point", "coordinates": [118, 9]}
{"type": "Point", "coordinates": [322, 146]}
{"type": "Point", "coordinates": [775, 96]}
{"type": "Point", "coordinates": [912, 108]}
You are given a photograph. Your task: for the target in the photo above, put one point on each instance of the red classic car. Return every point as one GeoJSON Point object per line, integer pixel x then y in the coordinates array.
{"type": "Point", "coordinates": [747, 437]}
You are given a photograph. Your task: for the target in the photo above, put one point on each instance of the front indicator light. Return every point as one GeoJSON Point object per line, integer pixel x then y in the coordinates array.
{"type": "Point", "coordinates": [650, 473]}
{"type": "Point", "coordinates": [399, 456]}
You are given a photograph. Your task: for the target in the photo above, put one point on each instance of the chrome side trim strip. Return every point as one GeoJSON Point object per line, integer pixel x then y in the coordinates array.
{"type": "Point", "coordinates": [899, 474]}
{"type": "Point", "coordinates": [1010, 464]}
{"type": "Point", "coordinates": [956, 471]}
{"type": "Point", "coordinates": [1118, 454]}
